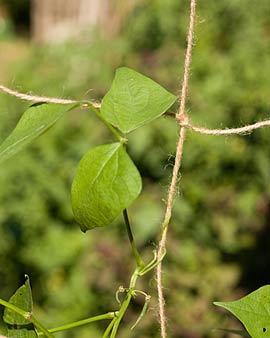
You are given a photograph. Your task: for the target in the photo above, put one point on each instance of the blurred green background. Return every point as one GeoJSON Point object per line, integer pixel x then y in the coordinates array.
{"type": "Point", "coordinates": [218, 245]}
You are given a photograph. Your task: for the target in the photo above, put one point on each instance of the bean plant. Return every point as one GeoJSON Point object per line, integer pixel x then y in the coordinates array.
{"type": "Point", "coordinates": [106, 183]}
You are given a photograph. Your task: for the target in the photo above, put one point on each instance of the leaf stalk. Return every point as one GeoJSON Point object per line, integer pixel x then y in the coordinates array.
{"type": "Point", "coordinates": [109, 315]}
{"type": "Point", "coordinates": [137, 256]}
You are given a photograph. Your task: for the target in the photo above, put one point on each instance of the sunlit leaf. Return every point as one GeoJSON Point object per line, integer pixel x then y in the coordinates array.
{"type": "Point", "coordinates": [35, 121]}
{"type": "Point", "coordinates": [134, 100]}
{"type": "Point", "coordinates": [106, 183]}
{"type": "Point", "coordinates": [253, 311]}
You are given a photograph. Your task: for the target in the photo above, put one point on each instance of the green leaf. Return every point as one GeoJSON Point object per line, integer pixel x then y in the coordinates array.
{"type": "Point", "coordinates": [253, 311]}
{"type": "Point", "coordinates": [17, 326]}
{"type": "Point", "coordinates": [241, 333]}
{"type": "Point", "coordinates": [106, 183]}
{"type": "Point", "coordinates": [35, 121]}
{"type": "Point", "coordinates": [134, 100]}
{"type": "Point", "coordinates": [22, 332]}
{"type": "Point", "coordinates": [22, 298]}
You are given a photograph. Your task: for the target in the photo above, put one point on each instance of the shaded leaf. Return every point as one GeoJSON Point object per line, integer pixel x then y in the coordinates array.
{"type": "Point", "coordinates": [22, 332]}
{"type": "Point", "coordinates": [241, 333]}
{"type": "Point", "coordinates": [253, 311]}
{"type": "Point", "coordinates": [22, 298]}
{"type": "Point", "coordinates": [106, 183]}
{"type": "Point", "coordinates": [35, 121]}
{"type": "Point", "coordinates": [134, 100]}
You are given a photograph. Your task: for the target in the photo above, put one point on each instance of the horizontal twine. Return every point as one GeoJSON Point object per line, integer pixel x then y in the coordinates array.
{"type": "Point", "coordinates": [183, 123]}
{"type": "Point", "coordinates": [247, 129]}
{"type": "Point", "coordinates": [39, 99]}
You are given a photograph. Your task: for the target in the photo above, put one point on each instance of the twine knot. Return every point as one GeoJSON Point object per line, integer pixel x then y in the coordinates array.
{"type": "Point", "coordinates": [182, 119]}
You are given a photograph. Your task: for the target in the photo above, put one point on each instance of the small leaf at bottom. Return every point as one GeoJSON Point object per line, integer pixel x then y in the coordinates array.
{"type": "Point", "coordinates": [253, 311]}
{"type": "Point", "coordinates": [22, 298]}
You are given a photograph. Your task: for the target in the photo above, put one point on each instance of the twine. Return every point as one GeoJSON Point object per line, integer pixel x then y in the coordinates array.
{"type": "Point", "coordinates": [184, 124]}
{"type": "Point", "coordinates": [183, 118]}
{"type": "Point", "coordinates": [228, 131]}
{"type": "Point", "coordinates": [39, 99]}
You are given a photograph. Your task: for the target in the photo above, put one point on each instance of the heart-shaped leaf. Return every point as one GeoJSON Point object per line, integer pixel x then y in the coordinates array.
{"type": "Point", "coordinates": [134, 100]}
{"type": "Point", "coordinates": [253, 311]}
{"type": "Point", "coordinates": [22, 298]}
{"type": "Point", "coordinates": [35, 121]}
{"type": "Point", "coordinates": [106, 183]}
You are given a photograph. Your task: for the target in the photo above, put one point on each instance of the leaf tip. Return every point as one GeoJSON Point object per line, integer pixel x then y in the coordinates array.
{"type": "Point", "coordinates": [83, 229]}
{"type": "Point", "coordinates": [220, 304]}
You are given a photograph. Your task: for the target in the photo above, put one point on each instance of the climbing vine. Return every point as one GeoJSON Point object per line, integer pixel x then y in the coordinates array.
{"type": "Point", "coordinates": [107, 182]}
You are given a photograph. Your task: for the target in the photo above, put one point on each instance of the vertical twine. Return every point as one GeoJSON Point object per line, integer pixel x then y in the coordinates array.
{"type": "Point", "coordinates": [182, 118]}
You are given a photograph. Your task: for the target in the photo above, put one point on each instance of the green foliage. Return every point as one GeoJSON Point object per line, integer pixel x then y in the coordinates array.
{"type": "Point", "coordinates": [35, 121]}
{"type": "Point", "coordinates": [17, 325]}
{"type": "Point", "coordinates": [22, 332]}
{"type": "Point", "coordinates": [219, 239]}
{"type": "Point", "coordinates": [134, 100]}
{"type": "Point", "coordinates": [106, 183]}
{"type": "Point", "coordinates": [22, 298]}
{"type": "Point", "coordinates": [253, 311]}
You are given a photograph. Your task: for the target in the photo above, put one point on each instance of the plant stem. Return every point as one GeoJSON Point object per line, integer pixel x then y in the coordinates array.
{"type": "Point", "coordinates": [122, 312]}
{"type": "Point", "coordinates": [28, 316]}
{"type": "Point", "coordinates": [137, 256]}
{"type": "Point", "coordinates": [118, 136]}
{"type": "Point", "coordinates": [126, 302]}
{"type": "Point", "coordinates": [109, 315]}
{"type": "Point", "coordinates": [39, 326]}
{"type": "Point", "coordinates": [109, 328]}
{"type": "Point", "coordinates": [14, 308]}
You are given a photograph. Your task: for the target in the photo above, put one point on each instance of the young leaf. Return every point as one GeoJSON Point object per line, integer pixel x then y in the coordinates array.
{"type": "Point", "coordinates": [253, 311]}
{"type": "Point", "coordinates": [134, 100]}
{"type": "Point", "coordinates": [106, 183]}
{"type": "Point", "coordinates": [22, 298]}
{"type": "Point", "coordinates": [35, 121]}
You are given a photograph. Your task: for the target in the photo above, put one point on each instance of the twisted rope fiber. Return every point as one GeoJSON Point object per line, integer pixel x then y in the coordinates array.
{"type": "Point", "coordinates": [38, 99]}
{"type": "Point", "coordinates": [229, 131]}
{"type": "Point", "coordinates": [181, 116]}
{"type": "Point", "coordinates": [183, 122]}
